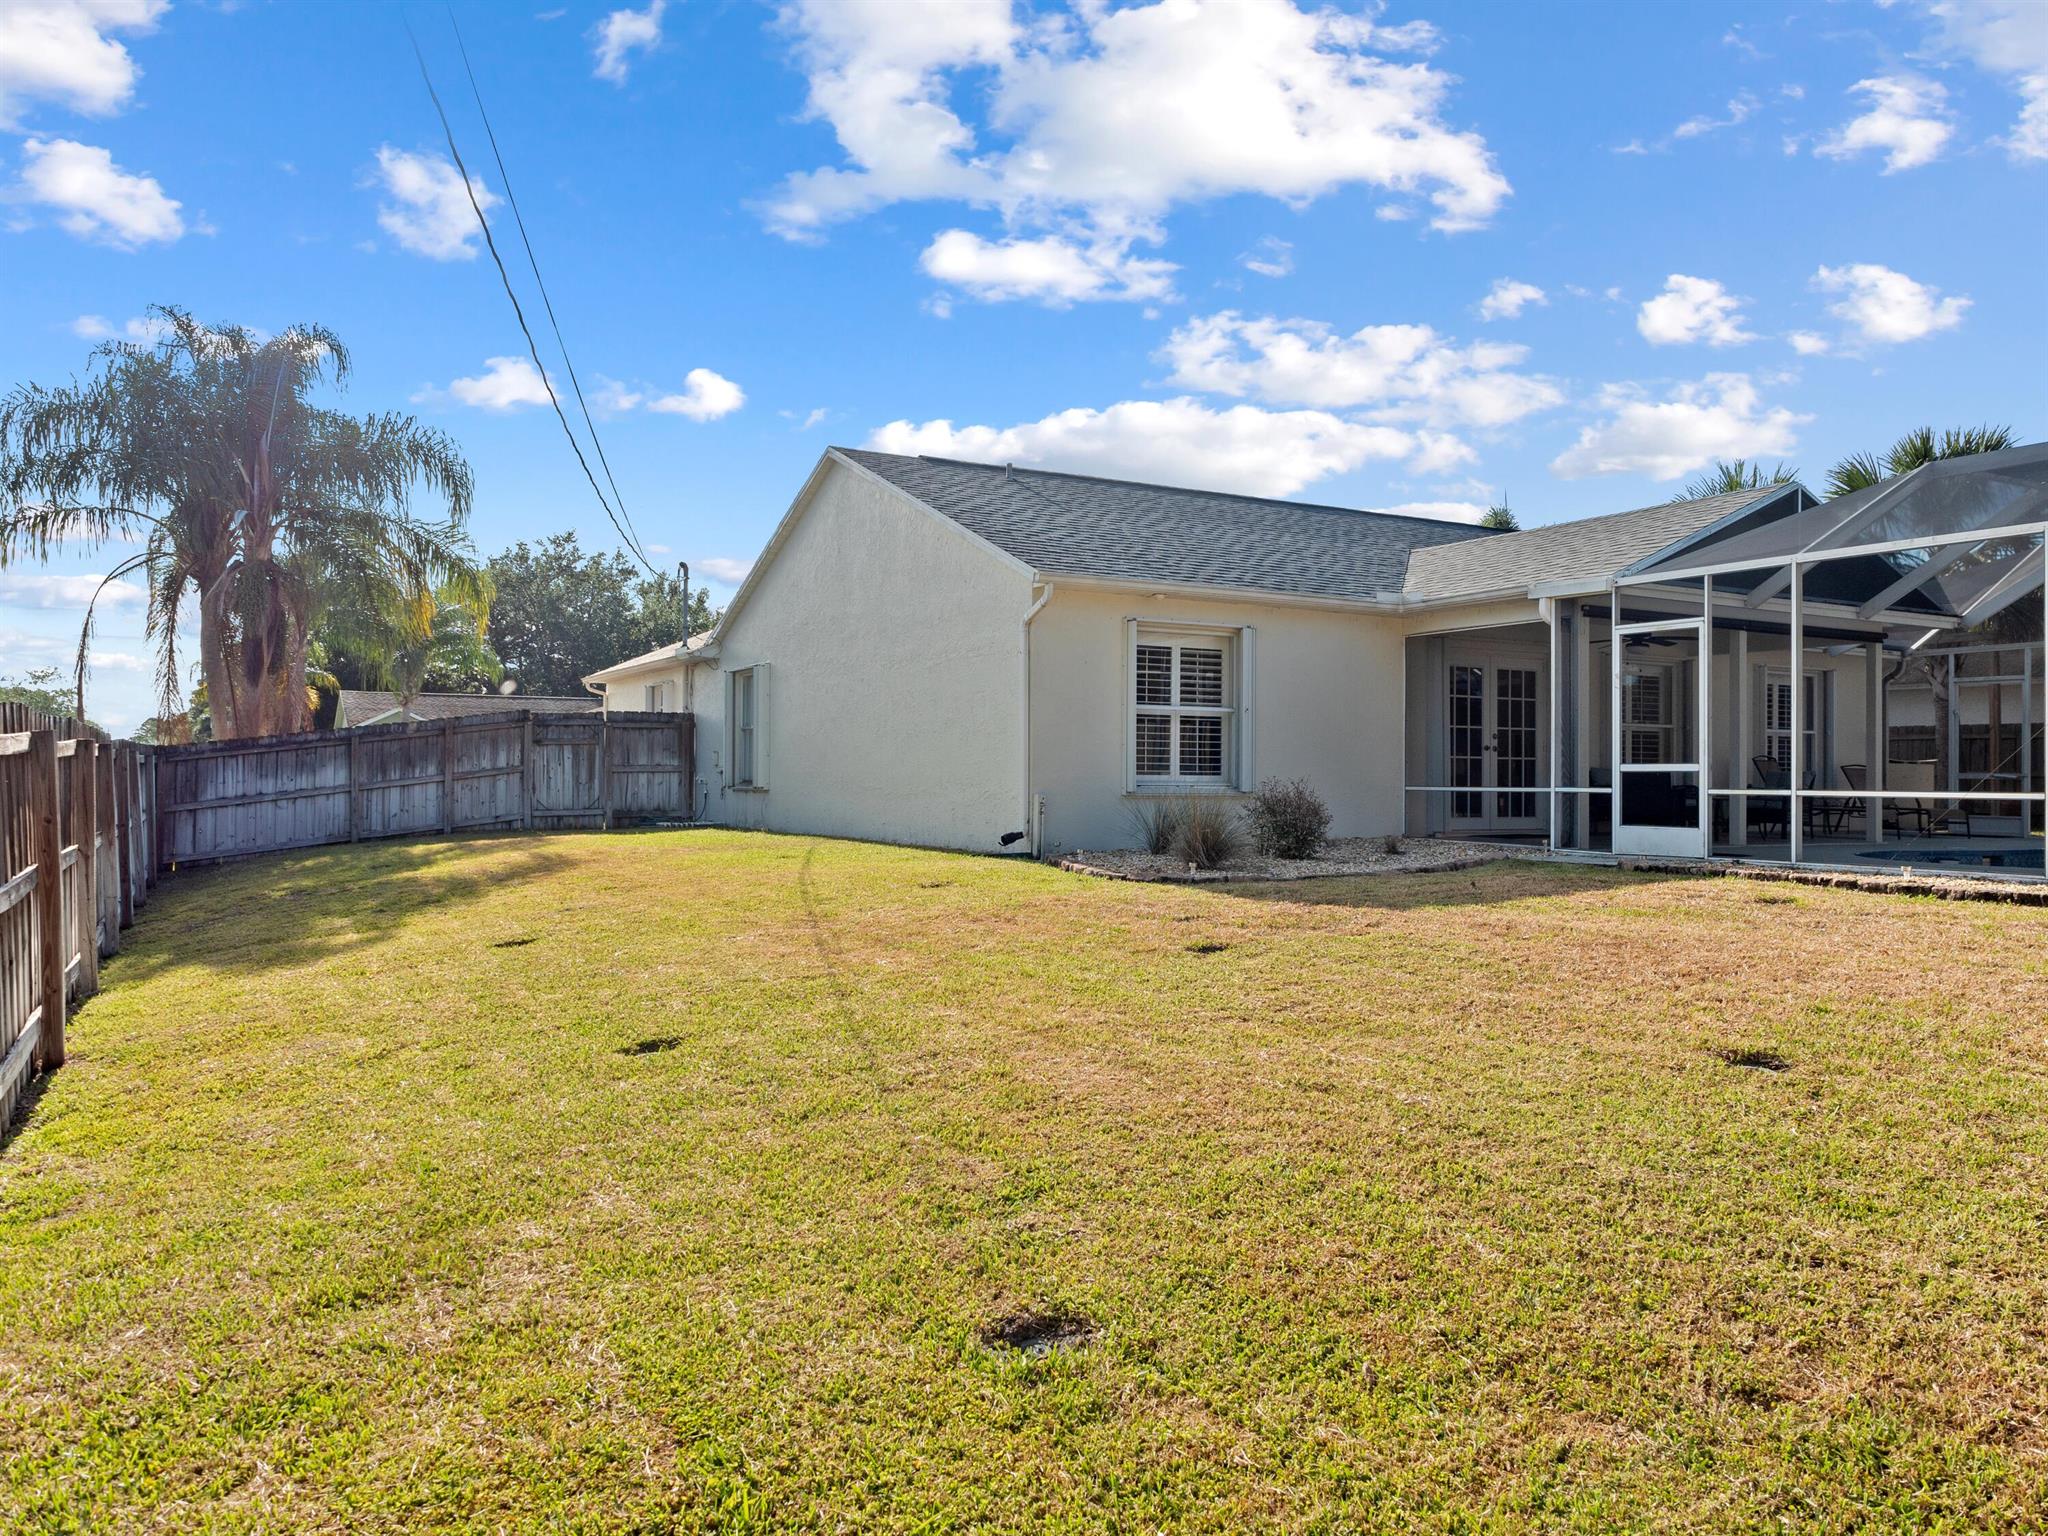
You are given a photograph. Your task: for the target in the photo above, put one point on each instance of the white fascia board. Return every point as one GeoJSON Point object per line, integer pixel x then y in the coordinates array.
{"type": "Point", "coordinates": [654, 661]}
{"type": "Point", "coordinates": [1391, 603]}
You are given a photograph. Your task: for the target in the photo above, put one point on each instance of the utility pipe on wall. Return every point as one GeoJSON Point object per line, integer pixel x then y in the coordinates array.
{"type": "Point", "coordinates": [1031, 817]}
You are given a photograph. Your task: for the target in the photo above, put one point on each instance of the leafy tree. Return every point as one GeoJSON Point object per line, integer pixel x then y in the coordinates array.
{"type": "Point", "coordinates": [1860, 471]}
{"type": "Point", "coordinates": [1736, 475]}
{"type": "Point", "coordinates": [264, 508]}
{"type": "Point", "coordinates": [558, 613]}
{"type": "Point", "coordinates": [1501, 517]}
{"type": "Point", "coordinates": [37, 688]}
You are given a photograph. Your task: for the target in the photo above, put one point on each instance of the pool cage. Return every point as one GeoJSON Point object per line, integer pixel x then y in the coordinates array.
{"type": "Point", "coordinates": [1886, 673]}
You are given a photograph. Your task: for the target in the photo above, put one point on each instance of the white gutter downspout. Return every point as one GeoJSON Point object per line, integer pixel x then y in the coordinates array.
{"type": "Point", "coordinates": [1024, 674]}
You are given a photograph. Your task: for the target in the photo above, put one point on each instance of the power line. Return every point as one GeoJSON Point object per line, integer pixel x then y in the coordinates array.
{"type": "Point", "coordinates": [632, 544]}
{"type": "Point", "coordinates": [532, 261]}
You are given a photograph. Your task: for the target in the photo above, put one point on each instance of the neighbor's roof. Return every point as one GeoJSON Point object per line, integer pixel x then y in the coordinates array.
{"type": "Point", "coordinates": [1123, 530]}
{"type": "Point", "coordinates": [361, 706]}
{"type": "Point", "coordinates": [1588, 549]}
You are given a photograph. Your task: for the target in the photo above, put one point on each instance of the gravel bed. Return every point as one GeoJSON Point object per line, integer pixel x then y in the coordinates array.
{"type": "Point", "coordinates": [1341, 856]}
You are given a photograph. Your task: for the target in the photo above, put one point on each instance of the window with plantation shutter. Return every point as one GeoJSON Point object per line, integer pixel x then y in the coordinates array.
{"type": "Point", "coordinates": [1184, 710]}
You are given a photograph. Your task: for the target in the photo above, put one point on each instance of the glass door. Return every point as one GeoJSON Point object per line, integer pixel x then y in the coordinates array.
{"type": "Point", "coordinates": [1493, 761]}
{"type": "Point", "coordinates": [1659, 724]}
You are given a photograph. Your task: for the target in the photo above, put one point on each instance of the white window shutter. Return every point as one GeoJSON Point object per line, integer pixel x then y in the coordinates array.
{"type": "Point", "coordinates": [1247, 767]}
{"type": "Point", "coordinates": [731, 690]}
{"type": "Point", "coordinates": [1129, 705]}
{"type": "Point", "coordinates": [763, 733]}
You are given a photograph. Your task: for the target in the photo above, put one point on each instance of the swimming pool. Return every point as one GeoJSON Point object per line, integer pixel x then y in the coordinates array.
{"type": "Point", "coordinates": [1994, 858]}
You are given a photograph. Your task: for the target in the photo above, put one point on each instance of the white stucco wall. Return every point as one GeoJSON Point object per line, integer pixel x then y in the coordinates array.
{"type": "Point", "coordinates": [1325, 690]}
{"type": "Point", "coordinates": [892, 708]}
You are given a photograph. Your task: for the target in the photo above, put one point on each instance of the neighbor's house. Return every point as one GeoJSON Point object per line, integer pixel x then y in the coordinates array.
{"type": "Point", "coordinates": [369, 706]}
{"type": "Point", "coordinates": [977, 656]}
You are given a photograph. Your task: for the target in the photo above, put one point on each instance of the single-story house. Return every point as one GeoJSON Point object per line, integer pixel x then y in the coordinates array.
{"type": "Point", "coordinates": [980, 656]}
{"type": "Point", "coordinates": [371, 706]}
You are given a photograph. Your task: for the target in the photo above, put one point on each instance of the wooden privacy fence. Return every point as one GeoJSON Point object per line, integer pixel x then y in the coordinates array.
{"type": "Point", "coordinates": [77, 830]}
{"type": "Point", "coordinates": [506, 770]}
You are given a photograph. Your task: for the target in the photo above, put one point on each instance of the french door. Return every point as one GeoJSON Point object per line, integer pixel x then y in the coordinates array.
{"type": "Point", "coordinates": [1493, 719]}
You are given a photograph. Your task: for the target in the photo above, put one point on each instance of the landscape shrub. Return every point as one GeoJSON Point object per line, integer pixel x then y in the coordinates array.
{"type": "Point", "coordinates": [1288, 819]}
{"type": "Point", "coordinates": [1156, 823]}
{"type": "Point", "coordinates": [1206, 832]}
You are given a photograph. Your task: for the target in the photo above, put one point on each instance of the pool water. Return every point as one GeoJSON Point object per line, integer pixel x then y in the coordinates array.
{"type": "Point", "coordinates": [1995, 858]}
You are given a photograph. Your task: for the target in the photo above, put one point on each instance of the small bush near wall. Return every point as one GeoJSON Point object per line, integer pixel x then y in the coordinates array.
{"type": "Point", "coordinates": [1155, 823]}
{"type": "Point", "coordinates": [1288, 820]}
{"type": "Point", "coordinates": [1206, 832]}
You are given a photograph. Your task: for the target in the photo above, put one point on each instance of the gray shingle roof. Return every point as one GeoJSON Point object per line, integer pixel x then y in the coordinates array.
{"type": "Point", "coordinates": [1078, 525]}
{"type": "Point", "coordinates": [363, 704]}
{"type": "Point", "coordinates": [1589, 549]}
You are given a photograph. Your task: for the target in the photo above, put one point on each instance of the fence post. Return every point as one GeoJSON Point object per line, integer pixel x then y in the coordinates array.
{"type": "Point", "coordinates": [604, 770]}
{"type": "Point", "coordinates": [107, 824]}
{"type": "Point", "coordinates": [43, 791]}
{"type": "Point", "coordinates": [526, 770]}
{"type": "Point", "coordinates": [355, 815]}
{"type": "Point", "coordinates": [123, 770]}
{"type": "Point", "coordinates": [85, 823]}
{"type": "Point", "coordinates": [448, 774]}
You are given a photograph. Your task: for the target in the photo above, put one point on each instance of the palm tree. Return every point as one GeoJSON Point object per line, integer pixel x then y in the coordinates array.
{"type": "Point", "coordinates": [1736, 475]}
{"type": "Point", "coordinates": [246, 498]}
{"type": "Point", "coordinates": [1860, 471]}
{"type": "Point", "coordinates": [1501, 517]}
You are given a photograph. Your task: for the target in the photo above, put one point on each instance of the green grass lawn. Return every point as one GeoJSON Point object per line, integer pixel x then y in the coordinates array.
{"type": "Point", "coordinates": [673, 1182]}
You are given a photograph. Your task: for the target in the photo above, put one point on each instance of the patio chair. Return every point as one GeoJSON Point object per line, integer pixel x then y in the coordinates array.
{"type": "Point", "coordinates": [1896, 812]}
{"type": "Point", "coordinates": [1773, 814]}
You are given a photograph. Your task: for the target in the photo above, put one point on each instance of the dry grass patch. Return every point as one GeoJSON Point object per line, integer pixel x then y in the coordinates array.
{"type": "Point", "coordinates": [1430, 1202]}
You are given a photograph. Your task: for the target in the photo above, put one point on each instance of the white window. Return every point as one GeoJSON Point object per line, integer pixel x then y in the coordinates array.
{"type": "Point", "coordinates": [1184, 708]}
{"type": "Point", "coordinates": [1778, 721]}
{"type": "Point", "coordinates": [661, 696]}
{"type": "Point", "coordinates": [746, 711]}
{"type": "Point", "coordinates": [1649, 729]}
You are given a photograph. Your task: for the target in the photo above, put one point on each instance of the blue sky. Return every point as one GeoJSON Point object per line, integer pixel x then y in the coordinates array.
{"type": "Point", "coordinates": [1420, 256]}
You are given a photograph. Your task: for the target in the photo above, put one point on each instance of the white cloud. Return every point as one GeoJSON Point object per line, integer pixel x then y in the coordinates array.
{"type": "Point", "coordinates": [60, 50]}
{"type": "Point", "coordinates": [53, 591]}
{"type": "Point", "coordinates": [428, 213]}
{"type": "Point", "coordinates": [1720, 417]}
{"type": "Point", "coordinates": [1183, 442]}
{"type": "Point", "coordinates": [1113, 115]}
{"type": "Point", "coordinates": [705, 396]}
{"type": "Point", "coordinates": [93, 198]}
{"type": "Point", "coordinates": [1907, 120]}
{"type": "Point", "coordinates": [719, 568]}
{"type": "Point", "coordinates": [1271, 257]}
{"type": "Point", "coordinates": [1808, 343]}
{"type": "Point", "coordinates": [1692, 309]}
{"type": "Point", "coordinates": [1740, 110]}
{"type": "Point", "coordinates": [1508, 297]}
{"type": "Point", "coordinates": [147, 329]}
{"type": "Point", "coordinates": [1053, 270]}
{"type": "Point", "coordinates": [1403, 372]}
{"type": "Point", "coordinates": [2005, 37]}
{"type": "Point", "coordinates": [1887, 307]}
{"type": "Point", "coordinates": [506, 384]}
{"type": "Point", "coordinates": [1445, 511]}
{"type": "Point", "coordinates": [609, 397]}
{"type": "Point", "coordinates": [623, 33]}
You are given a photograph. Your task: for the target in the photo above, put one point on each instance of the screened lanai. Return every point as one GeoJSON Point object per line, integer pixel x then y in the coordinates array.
{"type": "Point", "coordinates": [1856, 683]}
{"type": "Point", "coordinates": [1763, 677]}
